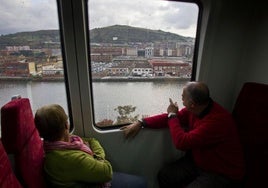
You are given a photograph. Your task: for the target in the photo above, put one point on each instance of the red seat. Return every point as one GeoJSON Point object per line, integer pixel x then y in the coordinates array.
{"type": "Point", "coordinates": [20, 137]}
{"type": "Point", "coordinates": [251, 115]}
{"type": "Point", "coordinates": [7, 177]}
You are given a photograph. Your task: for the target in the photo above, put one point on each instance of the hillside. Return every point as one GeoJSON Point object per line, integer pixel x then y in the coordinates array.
{"type": "Point", "coordinates": [124, 34]}
{"type": "Point", "coordinates": [34, 39]}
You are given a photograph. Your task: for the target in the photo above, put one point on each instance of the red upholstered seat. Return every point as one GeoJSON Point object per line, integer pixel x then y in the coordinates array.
{"type": "Point", "coordinates": [251, 115]}
{"type": "Point", "coordinates": [7, 177]}
{"type": "Point", "coordinates": [20, 137]}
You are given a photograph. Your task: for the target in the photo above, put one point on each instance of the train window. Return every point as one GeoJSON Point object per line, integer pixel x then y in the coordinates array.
{"type": "Point", "coordinates": [30, 60]}
{"type": "Point", "coordinates": [141, 54]}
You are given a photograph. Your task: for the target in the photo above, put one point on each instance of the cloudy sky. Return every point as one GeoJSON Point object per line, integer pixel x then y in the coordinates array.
{"type": "Point", "coordinates": [32, 15]}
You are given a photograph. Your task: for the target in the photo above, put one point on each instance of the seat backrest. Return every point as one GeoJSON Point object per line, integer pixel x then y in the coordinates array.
{"type": "Point", "coordinates": [21, 138]}
{"type": "Point", "coordinates": [251, 115]}
{"type": "Point", "coordinates": [7, 176]}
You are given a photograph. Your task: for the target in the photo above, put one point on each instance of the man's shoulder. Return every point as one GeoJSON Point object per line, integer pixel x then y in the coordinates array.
{"type": "Point", "coordinates": [220, 114]}
{"type": "Point", "coordinates": [217, 108]}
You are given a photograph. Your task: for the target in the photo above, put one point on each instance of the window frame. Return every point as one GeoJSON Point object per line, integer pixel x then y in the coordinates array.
{"type": "Point", "coordinates": [73, 20]}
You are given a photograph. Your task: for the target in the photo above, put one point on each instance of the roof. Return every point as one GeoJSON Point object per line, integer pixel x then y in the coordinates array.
{"type": "Point", "coordinates": [157, 62]}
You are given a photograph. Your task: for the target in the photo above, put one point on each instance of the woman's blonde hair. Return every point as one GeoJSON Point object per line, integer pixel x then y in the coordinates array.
{"type": "Point", "coordinates": [51, 122]}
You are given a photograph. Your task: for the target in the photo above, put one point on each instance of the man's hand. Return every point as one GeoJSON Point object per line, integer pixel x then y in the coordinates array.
{"type": "Point", "coordinates": [173, 107]}
{"type": "Point", "coordinates": [130, 131]}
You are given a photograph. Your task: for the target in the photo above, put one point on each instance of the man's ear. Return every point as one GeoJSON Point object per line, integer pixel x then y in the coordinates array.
{"type": "Point", "coordinates": [192, 104]}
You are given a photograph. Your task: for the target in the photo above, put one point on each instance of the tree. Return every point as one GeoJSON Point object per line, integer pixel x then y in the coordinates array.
{"type": "Point", "coordinates": [125, 114]}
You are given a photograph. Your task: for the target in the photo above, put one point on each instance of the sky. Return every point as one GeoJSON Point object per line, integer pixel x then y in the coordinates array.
{"type": "Point", "coordinates": [32, 15]}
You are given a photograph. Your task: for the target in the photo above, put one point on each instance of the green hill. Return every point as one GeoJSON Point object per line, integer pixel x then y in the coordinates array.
{"type": "Point", "coordinates": [124, 34]}
{"type": "Point", "coordinates": [34, 39]}
{"type": "Point", "coordinates": [127, 34]}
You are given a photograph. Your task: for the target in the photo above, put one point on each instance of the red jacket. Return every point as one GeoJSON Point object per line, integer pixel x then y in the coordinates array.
{"type": "Point", "coordinates": [213, 139]}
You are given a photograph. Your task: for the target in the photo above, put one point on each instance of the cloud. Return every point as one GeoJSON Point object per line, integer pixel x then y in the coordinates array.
{"type": "Point", "coordinates": [27, 15]}
{"type": "Point", "coordinates": [179, 18]}
{"type": "Point", "coordinates": [32, 15]}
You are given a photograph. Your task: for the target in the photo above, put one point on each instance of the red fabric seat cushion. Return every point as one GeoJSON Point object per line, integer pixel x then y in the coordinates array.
{"type": "Point", "coordinates": [7, 177]}
{"type": "Point", "coordinates": [20, 137]}
{"type": "Point", "coordinates": [251, 115]}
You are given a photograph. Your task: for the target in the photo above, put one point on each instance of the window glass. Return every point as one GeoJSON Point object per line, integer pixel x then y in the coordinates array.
{"type": "Point", "coordinates": [30, 53]}
{"type": "Point", "coordinates": [141, 54]}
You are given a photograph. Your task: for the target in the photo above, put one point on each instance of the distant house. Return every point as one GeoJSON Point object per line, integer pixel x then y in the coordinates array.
{"type": "Point", "coordinates": [15, 69]}
{"type": "Point", "coordinates": [185, 49]}
{"type": "Point", "coordinates": [128, 65]}
{"type": "Point", "coordinates": [105, 54]}
{"type": "Point", "coordinates": [164, 67]}
{"type": "Point", "coordinates": [142, 69]}
{"type": "Point", "coordinates": [149, 52]}
{"type": "Point", "coordinates": [131, 51]}
{"type": "Point", "coordinates": [17, 48]}
{"type": "Point", "coordinates": [52, 70]}
{"type": "Point", "coordinates": [32, 68]}
{"type": "Point", "coordinates": [118, 70]}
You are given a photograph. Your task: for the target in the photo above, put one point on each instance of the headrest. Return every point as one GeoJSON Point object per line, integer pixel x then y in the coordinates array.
{"type": "Point", "coordinates": [251, 113]}
{"type": "Point", "coordinates": [16, 117]}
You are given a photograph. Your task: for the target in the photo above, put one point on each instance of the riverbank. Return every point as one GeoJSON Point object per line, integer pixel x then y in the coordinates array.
{"type": "Point", "coordinates": [139, 79]}
{"type": "Point", "coordinates": [104, 79]}
{"type": "Point", "coordinates": [37, 79]}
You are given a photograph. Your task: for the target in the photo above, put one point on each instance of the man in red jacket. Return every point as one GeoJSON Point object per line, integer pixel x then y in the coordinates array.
{"type": "Point", "coordinates": [208, 134]}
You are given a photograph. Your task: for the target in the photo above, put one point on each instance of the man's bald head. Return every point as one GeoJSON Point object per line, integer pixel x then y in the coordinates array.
{"type": "Point", "coordinates": [198, 92]}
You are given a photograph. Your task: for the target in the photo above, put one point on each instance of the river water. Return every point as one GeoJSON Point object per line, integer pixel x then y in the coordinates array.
{"type": "Point", "coordinates": [148, 97]}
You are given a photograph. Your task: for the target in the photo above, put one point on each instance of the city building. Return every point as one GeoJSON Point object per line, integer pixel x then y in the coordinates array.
{"type": "Point", "coordinates": [142, 69]}
{"type": "Point", "coordinates": [168, 67]}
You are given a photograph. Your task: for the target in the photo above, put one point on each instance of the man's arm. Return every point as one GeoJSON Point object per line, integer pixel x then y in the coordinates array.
{"type": "Point", "coordinates": [158, 121]}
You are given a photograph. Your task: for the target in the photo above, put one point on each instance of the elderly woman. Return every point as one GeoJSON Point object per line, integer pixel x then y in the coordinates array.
{"type": "Point", "coordinates": [72, 162]}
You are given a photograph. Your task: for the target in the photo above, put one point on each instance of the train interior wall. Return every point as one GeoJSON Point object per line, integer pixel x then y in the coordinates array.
{"type": "Point", "coordinates": [232, 50]}
{"type": "Point", "coordinates": [235, 47]}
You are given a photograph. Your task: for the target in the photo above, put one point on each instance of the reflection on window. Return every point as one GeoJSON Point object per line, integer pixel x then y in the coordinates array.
{"type": "Point", "coordinates": [141, 54]}
{"type": "Point", "coordinates": [30, 60]}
